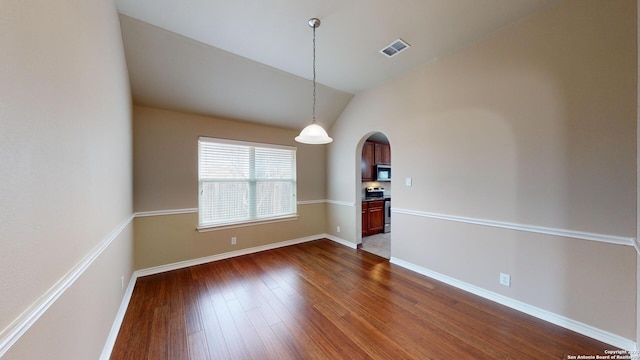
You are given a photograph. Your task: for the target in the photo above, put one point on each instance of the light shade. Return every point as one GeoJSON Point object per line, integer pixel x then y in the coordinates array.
{"type": "Point", "coordinates": [313, 134]}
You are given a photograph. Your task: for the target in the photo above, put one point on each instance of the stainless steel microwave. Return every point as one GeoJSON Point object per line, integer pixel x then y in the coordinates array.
{"type": "Point", "coordinates": [383, 172]}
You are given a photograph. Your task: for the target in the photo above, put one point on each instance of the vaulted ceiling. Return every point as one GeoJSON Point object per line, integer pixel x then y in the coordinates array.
{"type": "Point", "coordinates": [252, 59]}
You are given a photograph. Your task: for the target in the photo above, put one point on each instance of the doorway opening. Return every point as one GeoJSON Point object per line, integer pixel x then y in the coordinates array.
{"type": "Point", "coordinates": [375, 190]}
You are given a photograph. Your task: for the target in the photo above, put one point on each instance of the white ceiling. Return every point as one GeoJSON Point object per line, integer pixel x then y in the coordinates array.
{"type": "Point", "coordinates": [252, 59]}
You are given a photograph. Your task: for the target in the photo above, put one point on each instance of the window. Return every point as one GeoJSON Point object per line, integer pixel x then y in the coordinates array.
{"type": "Point", "coordinates": [243, 182]}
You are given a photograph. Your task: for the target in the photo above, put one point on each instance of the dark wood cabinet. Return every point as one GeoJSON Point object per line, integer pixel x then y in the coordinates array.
{"type": "Point", "coordinates": [373, 154]}
{"type": "Point", "coordinates": [382, 154]}
{"type": "Point", "coordinates": [367, 161]}
{"type": "Point", "coordinates": [376, 217]}
{"type": "Point", "coordinates": [372, 217]}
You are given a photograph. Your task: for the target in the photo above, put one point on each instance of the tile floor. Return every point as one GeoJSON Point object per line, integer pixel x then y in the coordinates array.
{"type": "Point", "coordinates": [379, 244]}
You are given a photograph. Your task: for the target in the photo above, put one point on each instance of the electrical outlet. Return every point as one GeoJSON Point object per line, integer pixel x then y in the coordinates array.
{"type": "Point", "coordinates": [338, 229]}
{"type": "Point", "coordinates": [505, 279]}
{"type": "Point", "coordinates": [233, 240]}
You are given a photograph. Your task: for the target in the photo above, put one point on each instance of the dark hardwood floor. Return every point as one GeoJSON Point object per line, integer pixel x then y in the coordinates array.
{"type": "Point", "coordinates": [322, 300]}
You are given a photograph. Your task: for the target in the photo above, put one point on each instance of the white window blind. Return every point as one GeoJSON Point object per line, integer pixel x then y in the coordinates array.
{"type": "Point", "coordinates": [244, 182]}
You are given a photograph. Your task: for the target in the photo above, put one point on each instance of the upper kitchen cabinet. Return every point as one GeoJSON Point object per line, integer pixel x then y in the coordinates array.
{"type": "Point", "coordinates": [382, 154]}
{"type": "Point", "coordinates": [367, 162]}
{"type": "Point", "coordinates": [374, 153]}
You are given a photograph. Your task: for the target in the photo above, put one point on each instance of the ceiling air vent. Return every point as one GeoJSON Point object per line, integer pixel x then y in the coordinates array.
{"type": "Point", "coordinates": [395, 48]}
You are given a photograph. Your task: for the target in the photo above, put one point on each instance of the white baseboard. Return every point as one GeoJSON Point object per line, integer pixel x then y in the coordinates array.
{"type": "Point", "coordinates": [341, 241]}
{"type": "Point", "coordinates": [581, 328]}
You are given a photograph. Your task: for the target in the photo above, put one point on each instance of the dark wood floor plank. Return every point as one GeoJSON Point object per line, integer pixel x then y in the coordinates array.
{"type": "Point", "coordinates": [227, 279]}
{"type": "Point", "coordinates": [271, 272]}
{"type": "Point", "coordinates": [177, 324]}
{"type": "Point", "coordinates": [490, 332]}
{"type": "Point", "coordinates": [198, 348]}
{"type": "Point", "coordinates": [210, 323]}
{"type": "Point", "coordinates": [159, 334]}
{"type": "Point", "coordinates": [178, 338]}
{"type": "Point", "coordinates": [286, 337]}
{"type": "Point", "coordinates": [501, 323]}
{"type": "Point", "coordinates": [321, 300]}
{"type": "Point", "coordinates": [375, 315]}
{"type": "Point", "coordinates": [239, 291]}
{"type": "Point", "coordinates": [390, 300]}
{"type": "Point", "coordinates": [260, 283]}
{"type": "Point", "coordinates": [273, 346]}
{"type": "Point", "coordinates": [360, 309]}
{"type": "Point", "coordinates": [248, 333]}
{"type": "Point", "coordinates": [231, 334]}
{"type": "Point", "coordinates": [314, 341]}
{"type": "Point", "coordinates": [304, 341]}
{"type": "Point", "coordinates": [133, 338]}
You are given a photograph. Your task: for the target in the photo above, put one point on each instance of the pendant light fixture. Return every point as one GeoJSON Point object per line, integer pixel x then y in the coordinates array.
{"type": "Point", "coordinates": [314, 133]}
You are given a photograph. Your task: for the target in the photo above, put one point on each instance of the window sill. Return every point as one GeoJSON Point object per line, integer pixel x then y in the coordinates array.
{"type": "Point", "coordinates": [245, 223]}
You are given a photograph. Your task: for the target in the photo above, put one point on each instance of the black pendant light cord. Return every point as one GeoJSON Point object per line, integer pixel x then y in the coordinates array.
{"type": "Point", "coordinates": [314, 133]}
{"type": "Point", "coordinates": [314, 74]}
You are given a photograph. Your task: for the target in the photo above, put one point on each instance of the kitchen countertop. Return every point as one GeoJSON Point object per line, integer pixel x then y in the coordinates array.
{"type": "Point", "coordinates": [375, 198]}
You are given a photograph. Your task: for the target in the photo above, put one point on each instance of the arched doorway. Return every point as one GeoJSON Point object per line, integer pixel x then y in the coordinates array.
{"type": "Point", "coordinates": [375, 191]}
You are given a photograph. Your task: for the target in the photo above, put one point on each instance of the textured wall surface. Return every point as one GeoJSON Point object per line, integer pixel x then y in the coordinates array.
{"type": "Point", "coordinates": [65, 173]}
{"type": "Point", "coordinates": [533, 126]}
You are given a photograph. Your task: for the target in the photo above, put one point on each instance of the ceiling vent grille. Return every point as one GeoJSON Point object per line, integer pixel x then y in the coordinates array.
{"type": "Point", "coordinates": [395, 48]}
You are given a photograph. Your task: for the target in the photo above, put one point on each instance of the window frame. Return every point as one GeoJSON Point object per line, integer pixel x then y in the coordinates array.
{"type": "Point", "coordinates": [252, 181]}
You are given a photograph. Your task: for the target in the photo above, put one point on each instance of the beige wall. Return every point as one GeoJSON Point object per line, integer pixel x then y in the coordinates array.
{"type": "Point", "coordinates": [341, 215]}
{"type": "Point", "coordinates": [166, 178]}
{"type": "Point", "coordinates": [169, 239]}
{"type": "Point", "coordinates": [65, 173]}
{"type": "Point", "coordinates": [77, 325]}
{"type": "Point", "coordinates": [166, 156]}
{"type": "Point", "coordinates": [535, 125]}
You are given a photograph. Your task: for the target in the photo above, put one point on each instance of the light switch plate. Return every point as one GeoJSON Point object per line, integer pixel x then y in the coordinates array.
{"type": "Point", "coordinates": [408, 181]}
{"type": "Point", "coordinates": [505, 279]}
